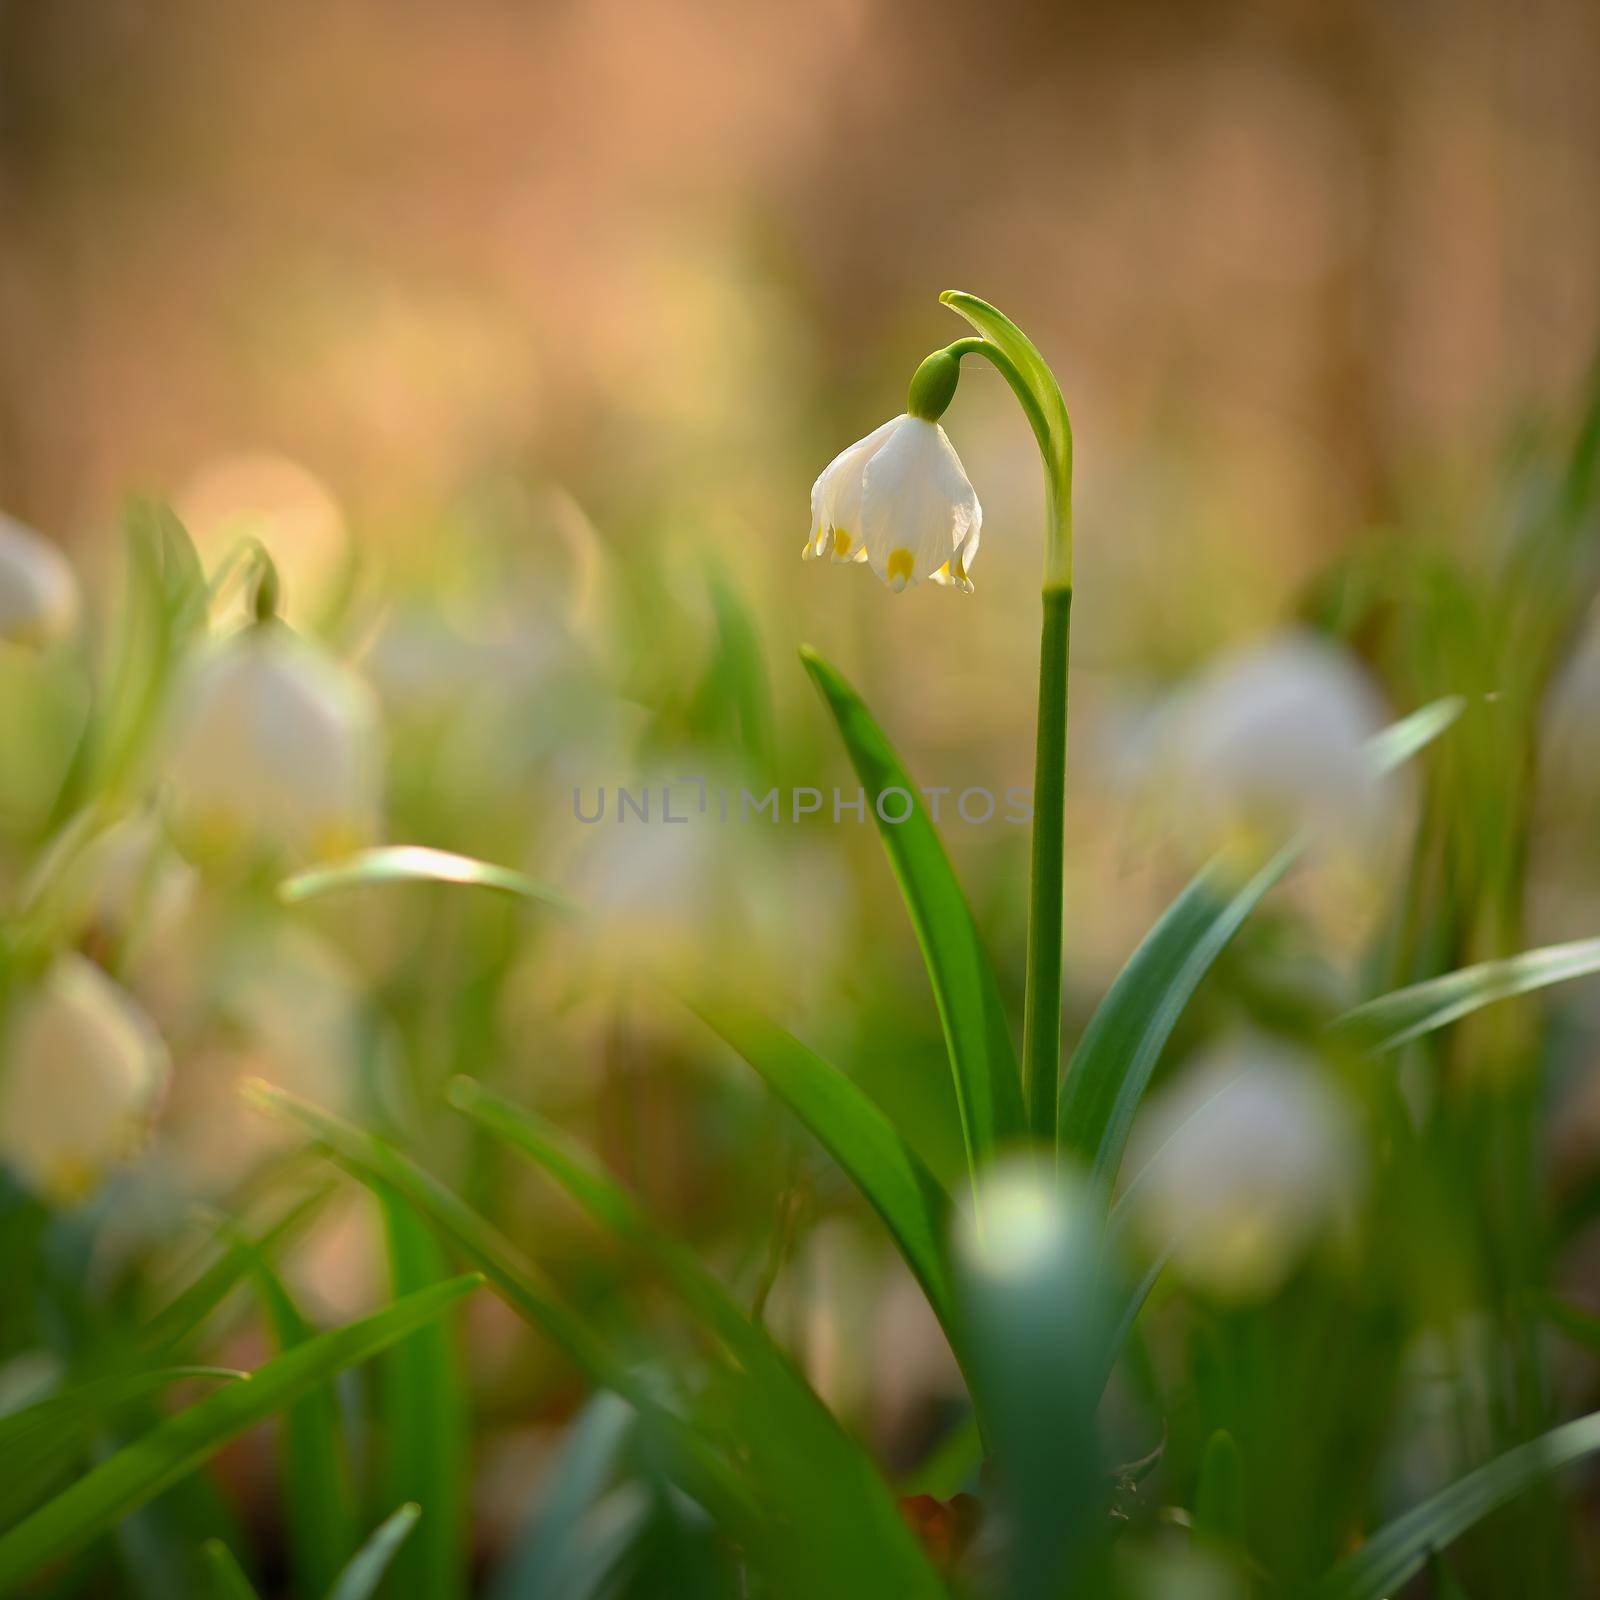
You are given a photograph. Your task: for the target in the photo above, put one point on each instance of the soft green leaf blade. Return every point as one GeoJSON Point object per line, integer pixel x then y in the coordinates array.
{"type": "Point", "coordinates": [1047, 414]}
{"type": "Point", "coordinates": [414, 863]}
{"type": "Point", "coordinates": [519, 1283]}
{"type": "Point", "coordinates": [1396, 1019]}
{"type": "Point", "coordinates": [1219, 1495]}
{"type": "Point", "coordinates": [425, 1411]}
{"type": "Point", "coordinates": [1403, 739]}
{"type": "Point", "coordinates": [318, 1500]}
{"type": "Point", "coordinates": [888, 1173]}
{"type": "Point", "coordinates": [369, 1564]}
{"type": "Point", "coordinates": [38, 1441]}
{"type": "Point", "coordinates": [1398, 1551]}
{"type": "Point", "coordinates": [988, 1088]}
{"type": "Point", "coordinates": [1111, 1068]}
{"type": "Point", "coordinates": [228, 1581]}
{"type": "Point", "coordinates": [795, 1446]}
{"type": "Point", "coordinates": [188, 1310]}
{"type": "Point", "coordinates": [175, 1447]}
{"type": "Point", "coordinates": [552, 1552]}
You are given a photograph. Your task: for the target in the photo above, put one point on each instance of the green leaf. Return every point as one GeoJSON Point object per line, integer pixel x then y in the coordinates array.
{"type": "Point", "coordinates": [1219, 1496]}
{"type": "Point", "coordinates": [368, 1565]}
{"type": "Point", "coordinates": [37, 1441]}
{"type": "Point", "coordinates": [175, 1447]}
{"type": "Point", "coordinates": [1047, 414]}
{"type": "Point", "coordinates": [555, 1559]}
{"type": "Point", "coordinates": [1396, 1019]}
{"type": "Point", "coordinates": [1403, 739]}
{"type": "Point", "coordinates": [318, 1501]}
{"type": "Point", "coordinates": [887, 1171]}
{"type": "Point", "coordinates": [425, 1410]}
{"type": "Point", "coordinates": [1399, 1550]}
{"type": "Point", "coordinates": [228, 1581]}
{"type": "Point", "coordinates": [988, 1089]}
{"type": "Point", "coordinates": [518, 1282]}
{"type": "Point", "coordinates": [853, 1533]}
{"type": "Point", "coordinates": [414, 863]}
{"type": "Point", "coordinates": [1110, 1070]}
{"type": "Point", "coordinates": [1111, 1067]}
{"type": "Point", "coordinates": [188, 1310]}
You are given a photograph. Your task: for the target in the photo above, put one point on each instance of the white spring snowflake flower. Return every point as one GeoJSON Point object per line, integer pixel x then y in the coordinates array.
{"type": "Point", "coordinates": [277, 742]}
{"type": "Point", "coordinates": [82, 1073]}
{"type": "Point", "coordinates": [1242, 1164]}
{"type": "Point", "coordinates": [39, 600]}
{"type": "Point", "coordinates": [1273, 742]}
{"type": "Point", "coordinates": [900, 500]}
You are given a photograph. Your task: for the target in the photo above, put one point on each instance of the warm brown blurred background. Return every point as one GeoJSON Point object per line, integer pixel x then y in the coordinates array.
{"type": "Point", "coordinates": [1288, 246]}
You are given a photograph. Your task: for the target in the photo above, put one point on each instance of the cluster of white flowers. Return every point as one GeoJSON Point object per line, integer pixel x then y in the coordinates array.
{"type": "Point", "coordinates": [274, 746]}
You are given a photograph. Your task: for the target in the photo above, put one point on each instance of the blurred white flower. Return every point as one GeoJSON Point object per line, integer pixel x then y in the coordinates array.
{"type": "Point", "coordinates": [1242, 1164]}
{"type": "Point", "coordinates": [900, 499]}
{"type": "Point", "coordinates": [129, 881]}
{"type": "Point", "coordinates": [276, 742]}
{"type": "Point", "coordinates": [38, 590]}
{"type": "Point", "coordinates": [1272, 742]}
{"type": "Point", "coordinates": [82, 1074]}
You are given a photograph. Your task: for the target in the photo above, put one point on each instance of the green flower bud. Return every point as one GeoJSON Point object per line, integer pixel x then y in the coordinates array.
{"type": "Point", "coordinates": [933, 386]}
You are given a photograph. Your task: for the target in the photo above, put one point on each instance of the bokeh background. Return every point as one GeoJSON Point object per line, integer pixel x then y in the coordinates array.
{"type": "Point", "coordinates": [388, 272]}
{"type": "Point", "coordinates": [519, 332]}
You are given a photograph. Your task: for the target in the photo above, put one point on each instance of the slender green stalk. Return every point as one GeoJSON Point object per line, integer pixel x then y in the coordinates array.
{"type": "Point", "coordinates": [1041, 1019]}
{"type": "Point", "coordinates": [1004, 344]}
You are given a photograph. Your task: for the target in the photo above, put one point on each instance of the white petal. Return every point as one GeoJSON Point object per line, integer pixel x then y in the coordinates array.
{"type": "Point", "coordinates": [836, 498]}
{"type": "Point", "coordinates": [38, 590]}
{"type": "Point", "coordinates": [918, 507]}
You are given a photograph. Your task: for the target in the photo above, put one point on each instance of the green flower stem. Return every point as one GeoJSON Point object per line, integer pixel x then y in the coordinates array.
{"type": "Point", "coordinates": [1014, 355]}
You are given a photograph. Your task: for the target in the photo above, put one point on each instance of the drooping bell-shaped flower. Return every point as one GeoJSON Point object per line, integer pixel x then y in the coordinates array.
{"type": "Point", "coordinates": [38, 590]}
{"type": "Point", "coordinates": [277, 743]}
{"type": "Point", "coordinates": [81, 1074]}
{"type": "Point", "coordinates": [1273, 742]}
{"type": "Point", "coordinates": [1242, 1163]}
{"type": "Point", "coordinates": [900, 498]}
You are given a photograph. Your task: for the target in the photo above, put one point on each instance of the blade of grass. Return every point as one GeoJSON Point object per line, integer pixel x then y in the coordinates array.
{"type": "Point", "coordinates": [175, 1447]}
{"type": "Point", "coordinates": [1396, 1019]}
{"type": "Point", "coordinates": [883, 1167]}
{"type": "Point", "coordinates": [426, 1413]}
{"type": "Point", "coordinates": [228, 1581]}
{"type": "Point", "coordinates": [1400, 1550]}
{"type": "Point", "coordinates": [1111, 1067]}
{"type": "Point", "coordinates": [412, 863]}
{"type": "Point", "coordinates": [375, 1162]}
{"type": "Point", "coordinates": [319, 1504]}
{"type": "Point", "coordinates": [852, 1526]}
{"type": "Point", "coordinates": [965, 990]}
{"type": "Point", "coordinates": [369, 1564]}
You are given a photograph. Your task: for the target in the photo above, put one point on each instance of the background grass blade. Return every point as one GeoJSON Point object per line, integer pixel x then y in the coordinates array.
{"type": "Point", "coordinates": [888, 1173]}
{"type": "Point", "coordinates": [319, 1505]}
{"type": "Point", "coordinates": [1111, 1067]}
{"type": "Point", "coordinates": [553, 1554]}
{"type": "Point", "coordinates": [1400, 1550]}
{"type": "Point", "coordinates": [1395, 1019]}
{"type": "Point", "coordinates": [377, 1164]}
{"type": "Point", "coordinates": [369, 1564]}
{"type": "Point", "coordinates": [853, 1533]}
{"type": "Point", "coordinates": [965, 990]}
{"type": "Point", "coordinates": [140, 1471]}
{"type": "Point", "coordinates": [413, 863]}
{"type": "Point", "coordinates": [425, 1418]}
{"type": "Point", "coordinates": [228, 1581]}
